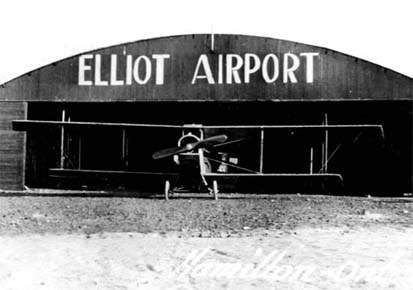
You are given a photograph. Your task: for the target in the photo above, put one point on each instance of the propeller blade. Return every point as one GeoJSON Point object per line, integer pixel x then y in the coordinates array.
{"type": "Point", "coordinates": [210, 141]}
{"type": "Point", "coordinates": [169, 152]}
{"type": "Point", "coordinates": [229, 142]}
{"type": "Point", "coordinates": [189, 147]}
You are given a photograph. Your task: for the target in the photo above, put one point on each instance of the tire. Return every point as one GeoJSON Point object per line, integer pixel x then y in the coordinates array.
{"type": "Point", "coordinates": [215, 189]}
{"type": "Point", "coordinates": [167, 188]}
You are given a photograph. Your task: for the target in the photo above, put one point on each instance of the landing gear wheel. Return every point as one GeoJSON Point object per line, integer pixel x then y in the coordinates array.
{"type": "Point", "coordinates": [167, 188]}
{"type": "Point", "coordinates": [215, 189]}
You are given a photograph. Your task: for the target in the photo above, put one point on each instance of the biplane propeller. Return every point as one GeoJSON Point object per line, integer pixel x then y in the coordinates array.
{"type": "Point", "coordinates": [204, 143]}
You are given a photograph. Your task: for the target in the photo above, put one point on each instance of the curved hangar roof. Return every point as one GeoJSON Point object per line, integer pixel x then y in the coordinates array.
{"type": "Point", "coordinates": [206, 67]}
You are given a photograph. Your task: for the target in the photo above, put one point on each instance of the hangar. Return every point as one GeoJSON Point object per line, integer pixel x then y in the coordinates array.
{"type": "Point", "coordinates": [93, 120]}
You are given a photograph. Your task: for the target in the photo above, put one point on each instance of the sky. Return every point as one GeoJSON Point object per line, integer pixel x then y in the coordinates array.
{"type": "Point", "coordinates": [36, 33]}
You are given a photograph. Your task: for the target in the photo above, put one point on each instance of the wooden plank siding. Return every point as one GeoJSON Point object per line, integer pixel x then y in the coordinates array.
{"type": "Point", "coordinates": [12, 146]}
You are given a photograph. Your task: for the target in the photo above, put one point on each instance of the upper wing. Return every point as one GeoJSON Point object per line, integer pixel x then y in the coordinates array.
{"type": "Point", "coordinates": [22, 125]}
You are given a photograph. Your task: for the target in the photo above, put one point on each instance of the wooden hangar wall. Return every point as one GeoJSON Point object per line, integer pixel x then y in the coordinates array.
{"type": "Point", "coordinates": [196, 68]}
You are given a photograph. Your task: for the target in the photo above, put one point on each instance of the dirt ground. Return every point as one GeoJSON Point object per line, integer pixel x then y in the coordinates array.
{"type": "Point", "coordinates": [96, 241]}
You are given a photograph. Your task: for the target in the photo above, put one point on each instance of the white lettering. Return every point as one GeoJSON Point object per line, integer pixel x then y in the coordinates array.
{"type": "Point", "coordinates": [288, 72]}
{"type": "Point", "coordinates": [82, 69]}
{"type": "Point", "coordinates": [225, 270]}
{"type": "Point", "coordinates": [113, 71]}
{"type": "Point", "coordinates": [193, 258]}
{"type": "Point", "coordinates": [202, 270]}
{"type": "Point", "coordinates": [232, 70]}
{"type": "Point", "coordinates": [160, 64]}
{"type": "Point", "coordinates": [148, 70]}
{"type": "Point", "coordinates": [304, 273]}
{"type": "Point", "coordinates": [248, 70]}
{"type": "Point", "coordinates": [128, 69]}
{"type": "Point", "coordinates": [256, 272]}
{"type": "Point", "coordinates": [98, 71]}
{"type": "Point", "coordinates": [220, 68]}
{"type": "Point", "coordinates": [265, 73]}
{"type": "Point", "coordinates": [309, 56]}
{"type": "Point", "coordinates": [203, 60]}
{"type": "Point", "coordinates": [273, 266]}
{"type": "Point", "coordinates": [342, 275]}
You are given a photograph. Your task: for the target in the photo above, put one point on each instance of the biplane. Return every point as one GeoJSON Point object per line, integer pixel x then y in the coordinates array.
{"type": "Point", "coordinates": [205, 158]}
